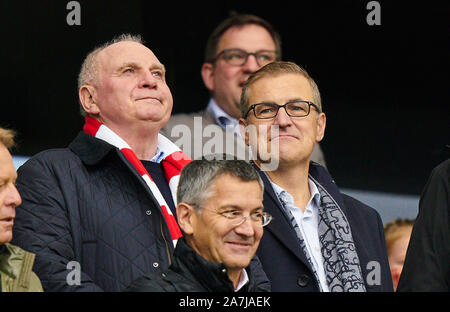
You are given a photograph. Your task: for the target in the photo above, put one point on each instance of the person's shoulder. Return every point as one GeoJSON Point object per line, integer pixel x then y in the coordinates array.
{"type": "Point", "coordinates": [188, 119]}
{"type": "Point", "coordinates": [49, 157]}
{"type": "Point", "coordinates": [442, 170]}
{"type": "Point", "coordinates": [360, 213]}
{"type": "Point", "coordinates": [52, 162]}
{"type": "Point", "coordinates": [15, 250]}
{"type": "Point", "coordinates": [353, 203]}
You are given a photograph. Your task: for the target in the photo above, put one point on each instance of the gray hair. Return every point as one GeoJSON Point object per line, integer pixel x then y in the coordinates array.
{"type": "Point", "coordinates": [198, 177]}
{"type": "Point", "coordinates": [89, 68]}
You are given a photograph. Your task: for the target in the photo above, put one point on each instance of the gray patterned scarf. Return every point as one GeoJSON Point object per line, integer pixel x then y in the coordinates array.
{"type": "Point", "coordinates": [340, 260]}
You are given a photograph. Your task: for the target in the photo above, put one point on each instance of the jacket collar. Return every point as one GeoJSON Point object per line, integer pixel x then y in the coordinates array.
{"type": "Point", "coordinates": [11, 260]}
{"type": "Point", "coordinates": [321, 176]}
{"type": "Point", "coordinates": [211, 276]}
{"type": "Point", "coordinates": [90, 149]}
{"type": "Point", "coordinates": [281, 226]}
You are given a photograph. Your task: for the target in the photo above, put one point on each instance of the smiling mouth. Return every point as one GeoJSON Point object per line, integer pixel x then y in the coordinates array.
{"type": "Point", "coordinates": [241, 246]}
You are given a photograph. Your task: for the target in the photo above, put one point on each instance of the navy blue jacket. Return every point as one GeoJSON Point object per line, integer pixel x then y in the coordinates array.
{"type": "Point", "coordinates": [86, 209]}
{"type": "Point", "coordinates": [87, 203]}
{"type": "Point", "coordinates": [285, 263]}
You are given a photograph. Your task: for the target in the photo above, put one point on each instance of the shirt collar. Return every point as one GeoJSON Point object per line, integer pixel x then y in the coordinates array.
{"type": "Point", "coordinates": [220, 116]}
{"type": "Point", "coordinates": [159, 155]}
{"type": "Point", "coordinates": [286, 197]}
{"type": "Point", "coordinates": [244, 280]}
{"type": "Point", "coordinates": [315, 195]}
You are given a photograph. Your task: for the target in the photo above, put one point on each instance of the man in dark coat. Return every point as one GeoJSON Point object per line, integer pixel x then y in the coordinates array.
{"type": "Point", "coordinates": [319, 239]}
{"type": "Point", "coordinates": [101, 213]}
{"type": "Point", "coordinates": [98, 214]}
{"type": "Point", "coordinates": [221, 213]}
{"type": "Point", "coordinates": [427, 262]}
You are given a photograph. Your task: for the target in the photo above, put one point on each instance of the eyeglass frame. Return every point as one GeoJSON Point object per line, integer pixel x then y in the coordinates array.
{"type": "Point", "coordinates": [244, 218]}
{"type": "Point", "coordinates": [252, 107]}
{"type": "Point", "coordinates": [246, 57]}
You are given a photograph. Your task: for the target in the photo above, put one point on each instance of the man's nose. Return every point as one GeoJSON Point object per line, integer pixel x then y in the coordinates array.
{"type": "Point", "coordinates": [245, 228]}
{"type": "Point", "coordinates": [282, 119]}
{"type": "Point", "coordinates": [148, 80]}
{"type": "Point", "coordinates": [251, 65]}
{"type": "Point", "coordinates": [13, 197]}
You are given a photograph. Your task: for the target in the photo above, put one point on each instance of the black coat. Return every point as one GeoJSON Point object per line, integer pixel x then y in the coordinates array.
{"type": "Point", "coordinates": [87, 203]}
{"type": "Point", "coordinates": [427, 263]}
{"type": "Point", "coordinates": [286, 265]}
{"type": "Point", "coordinates": [189, 272]}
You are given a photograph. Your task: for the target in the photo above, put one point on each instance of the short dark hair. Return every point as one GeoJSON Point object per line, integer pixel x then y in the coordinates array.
{"type": "Point", "coordinates": [198, 177]}
{"type": "Point", "coordinates": [238, 19]}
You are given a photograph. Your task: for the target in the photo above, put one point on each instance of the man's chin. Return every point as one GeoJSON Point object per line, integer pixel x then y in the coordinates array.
{"type": "Point", "coordinates": [238, 264]}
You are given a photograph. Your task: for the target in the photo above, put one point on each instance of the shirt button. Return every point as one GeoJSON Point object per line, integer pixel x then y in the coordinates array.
{"type": "Point", "coordinates": [155, 264]}
{"type": "Point", "coordinates": [148, 212]}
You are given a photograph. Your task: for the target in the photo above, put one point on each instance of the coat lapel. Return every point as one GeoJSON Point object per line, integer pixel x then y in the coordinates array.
{"type": "Point", "coordinates": [280, 226]}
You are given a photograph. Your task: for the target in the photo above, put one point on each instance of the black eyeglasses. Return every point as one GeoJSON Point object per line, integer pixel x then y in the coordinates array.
{"type": "Point", "coordinates": [292, 108]}
{"type": "Point", "coordinates": [238, 57]}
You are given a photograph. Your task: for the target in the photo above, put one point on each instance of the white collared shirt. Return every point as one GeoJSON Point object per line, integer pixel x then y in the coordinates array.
{"type": "Point", "coordinates": [244, 280]}
{"type": "Point", "coordinates": [308, 223]}
{"type": "Point", "coordinates": [222, 118]}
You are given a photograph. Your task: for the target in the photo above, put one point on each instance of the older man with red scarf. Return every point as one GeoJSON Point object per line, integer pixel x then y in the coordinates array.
{"type": "Point", "coordinates": [100, 213]}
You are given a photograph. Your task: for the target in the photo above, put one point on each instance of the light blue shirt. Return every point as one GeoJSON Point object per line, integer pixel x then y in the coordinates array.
{"type": "Point", "coordinates": [159, 155]}
{"type": "Point", "coordinates": [308, 223]}
{"type": "Point", "coordinates": [224, 120]}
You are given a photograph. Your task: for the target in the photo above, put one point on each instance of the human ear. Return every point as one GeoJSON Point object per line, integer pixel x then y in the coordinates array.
{"type": "Point", "coordinates": [321, 125]}
{"type": "Point", "coordinates": [243, 130]}
{"type": "Point", "coordinates": [185, 215]}
{"type": "Point", "coordinates": [208, 76]}
{"type": "Point", "coordinates": [88, 99]}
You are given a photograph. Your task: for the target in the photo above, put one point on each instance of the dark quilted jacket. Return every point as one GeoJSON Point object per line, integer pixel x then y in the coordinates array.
{"type": "Point", "coordinates": [87, 203]}
{"type": "Point", "coordinates": [189, 272]}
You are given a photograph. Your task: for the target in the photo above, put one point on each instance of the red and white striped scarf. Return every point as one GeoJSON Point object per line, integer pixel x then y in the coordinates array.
{"type": "Point", "coordinates": [173, 161]}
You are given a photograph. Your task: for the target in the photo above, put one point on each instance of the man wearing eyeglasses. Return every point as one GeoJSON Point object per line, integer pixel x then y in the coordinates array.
{"type": "Point", "coordinates": [322, 240]}
{"type": "Point", "coordinates": [239, 46]}
{"type": "Point", "coordinates": [221, 214]}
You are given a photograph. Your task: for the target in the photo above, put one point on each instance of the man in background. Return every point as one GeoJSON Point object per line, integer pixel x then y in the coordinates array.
{"type": "Point", "coordinates": [238, 46]}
